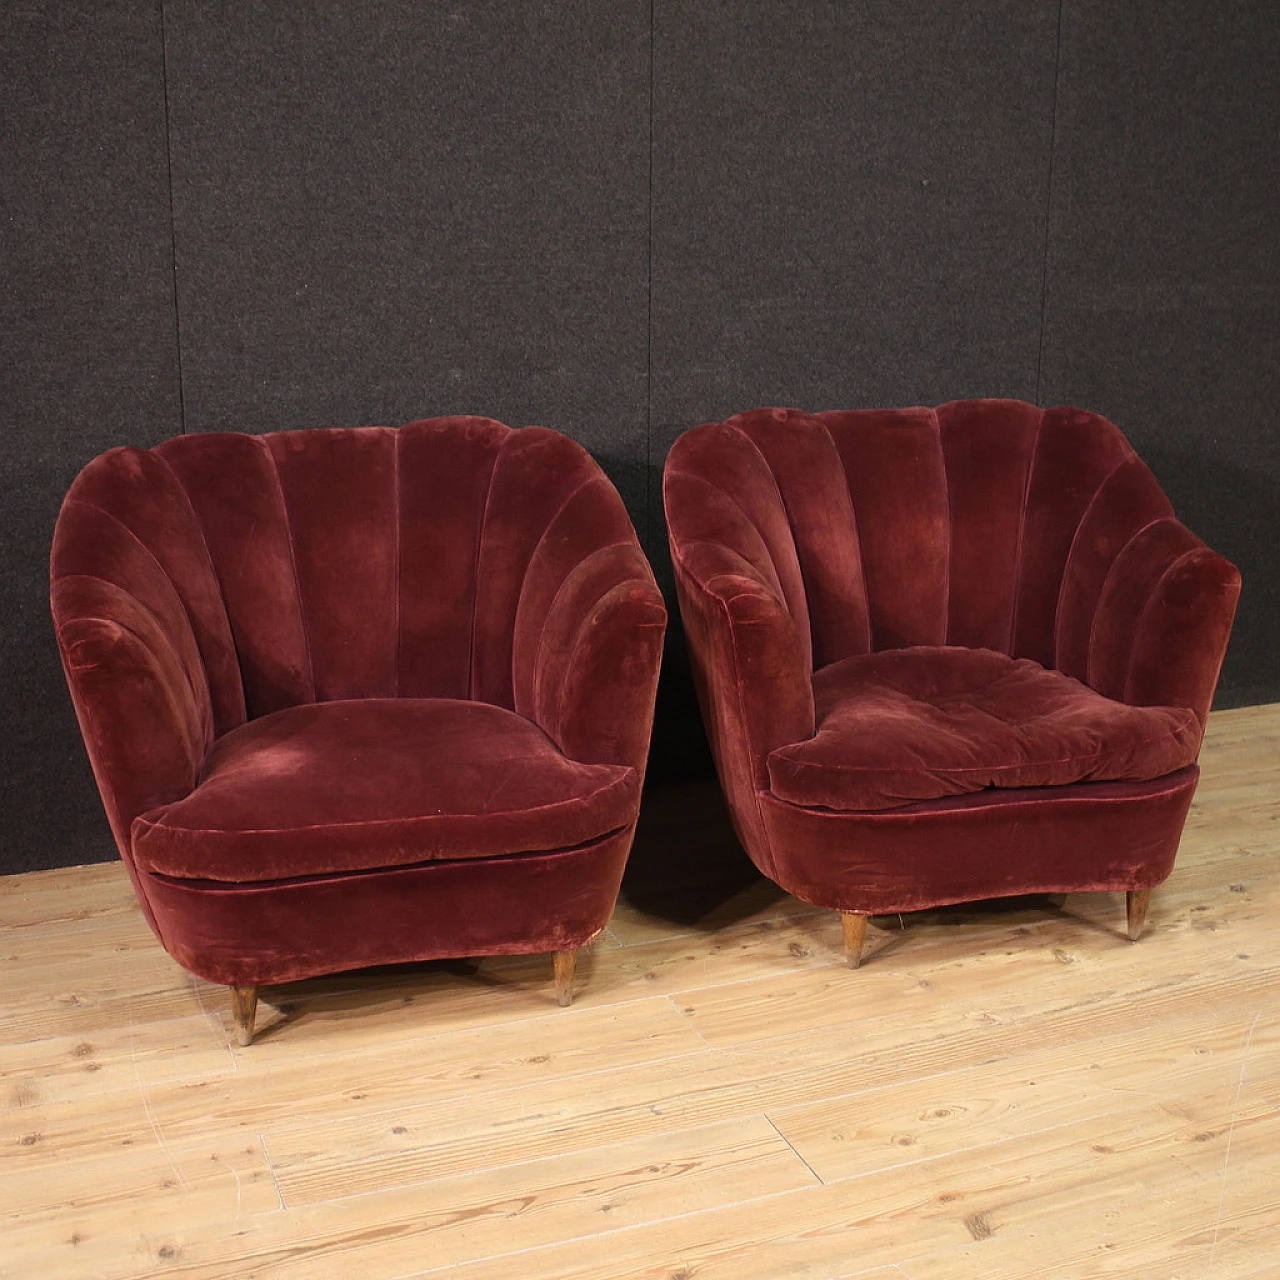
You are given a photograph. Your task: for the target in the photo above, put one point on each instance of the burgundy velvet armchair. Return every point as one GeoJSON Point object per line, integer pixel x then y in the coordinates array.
{"type": "Point", "coordinates": [945, 655]}
{"type": "Point", "coordinates": [359, 697]}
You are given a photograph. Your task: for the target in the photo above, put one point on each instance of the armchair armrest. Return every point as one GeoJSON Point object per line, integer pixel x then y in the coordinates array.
{"type": "Point", "coordinates": [1163, 620]}
{"type": "Point", "coordinates": [749, 658]}
{"type": "Point", "coordinates": [595, 674]}
{"type": "Point", "coordinates": [140, 695]}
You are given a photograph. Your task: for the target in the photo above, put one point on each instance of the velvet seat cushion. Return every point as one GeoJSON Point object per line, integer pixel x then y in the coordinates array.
{"type": "Point", "coordinates": [376, 783]}
{"type": "Point", "coordinates": [927, 722]}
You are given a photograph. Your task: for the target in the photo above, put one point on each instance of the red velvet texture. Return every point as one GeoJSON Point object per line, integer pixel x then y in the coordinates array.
{"type": "Point", "coordinates": [990, 844]}
{"type": "Point", "coordinates": [856, 544]}
{"type": "Point", "coordinates": [244, 935]}
{"type": "Point", "coordinates": [928, 722]}
{"type": "Point", "coordinates": [380, 782]}
{"type": "Point", "coordinates": [321, 656]}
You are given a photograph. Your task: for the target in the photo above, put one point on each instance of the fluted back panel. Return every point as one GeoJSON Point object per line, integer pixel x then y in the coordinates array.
{"type": "Point", "coordinates": [127, 524]}
{"type": "Point", "coordinates": [233, 484]}
{"type": "Point", "coordinates": [810, 481]}
{"type": "Point", "coordinates": [982, 523]}
{"type": "Point", "coordinates": [1075, 452]}
{"type": "Point", "coordinates": [587, 546]}
{"type": "Point", "coordinates": [1126, 502]}
{"type": "Point", "coordinates": [446, 470]}
{"type": "Point", "coordinates": [894, 468]}
{"type": "Point", "coordinates": [987, 448]}
{"type": "Point", "coordinates": [537, 472]}
{"type": "Point", "coordinates": [729, 495]}
{"type": "Point", "coordinates": [370, 562]}
{"type": "Point", "coordinates": [339, 493]}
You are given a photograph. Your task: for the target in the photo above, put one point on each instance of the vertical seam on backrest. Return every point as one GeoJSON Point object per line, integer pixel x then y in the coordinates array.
{"type": "Point", "coordinates": [204, 542]}
{"type": "Point", "coordinates": [475, 576]}
{"type": "Point", "coordinates": [857, 533]}
{"type": "Point", "coordinates": [524, 581]}
{"type": "Point", "coordinates": [1066, 564]}
{"type": "Point", "coordinates": [265, 445]}
{"type": "Point", "coordinates": [1022, 530]}
{"type": "Point", "coordinates": [698, 478]}
{"type": "Point", "coordinates": [1146, 610]}
{"type": "Point", "coordinates": [946, 494]}
{"type": "Point", "coordinates": [395, 491]}
{"type": "Point", "coordinates": [786, 515]}
{"type": "Point", "coordinates": [1102, 591]}
{"type": "Point", "coordinates": [213, 568]}
{"type": "Point", "coordinates": [590, 478]}
{"type": "Point", "coordinates": [177, 595]}
{"type": "Point", "coordinates": [568, 671]}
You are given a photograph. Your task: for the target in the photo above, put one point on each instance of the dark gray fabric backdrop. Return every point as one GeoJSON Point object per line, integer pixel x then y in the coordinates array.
{"type": "Point", "coordinates": [620, 219]}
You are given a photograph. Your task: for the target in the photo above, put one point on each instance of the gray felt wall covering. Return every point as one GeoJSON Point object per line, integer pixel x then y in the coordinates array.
{"type": "Point", "coordinates": [620, 219]}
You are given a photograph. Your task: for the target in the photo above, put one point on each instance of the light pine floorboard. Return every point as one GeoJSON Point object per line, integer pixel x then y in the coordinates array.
{"type": "Point", "coordinates": [1004, 1090]}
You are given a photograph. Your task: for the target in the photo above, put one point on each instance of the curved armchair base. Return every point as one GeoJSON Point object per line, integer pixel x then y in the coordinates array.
{"type": "Point", "coordinates": [249, 935]}
{"type": "Point", "coordinates": [244, 1000]}
{"type": "Point", "coordinates": [855, 925]}
{"type": "Point", "coordinates": [1087, 837]}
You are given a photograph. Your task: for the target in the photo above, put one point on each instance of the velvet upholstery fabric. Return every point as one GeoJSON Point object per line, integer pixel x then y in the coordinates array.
{"type": "Point", "coordinates": [379, 782]}
{"type": "Point", "coordinates": [921, 635]}
{"type": "Point", "coordinates": [928, 722]}
{"type": "Point", "coordinates": [337, 666]}
{"type": "Point", "coordinates": [278, 931]}
{"type": "Point", "coordinates": [1086, 837]}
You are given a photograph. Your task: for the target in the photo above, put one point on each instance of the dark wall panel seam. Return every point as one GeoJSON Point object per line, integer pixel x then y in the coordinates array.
{"type": "Point", "coordinates": [399, 552]}
{"type": "Point", "coordinates": [173, 223]}
{"type": "Point", "coordinates": [648, 531]}
{"type": "Point", "coordinates": [1048, 206]}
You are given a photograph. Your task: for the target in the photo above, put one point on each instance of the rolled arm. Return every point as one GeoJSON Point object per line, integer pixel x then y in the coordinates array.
{"type": "Point", "coordinates": [1182, 637]}
{"type": "Point", "coordinates": [749, 659]}
{"type": "Point", "coordinates": [1163, 621]}
{"type": "Point", "coordinates": [144, 711]}
{"type": "Point", "coordinates": [597, 660]}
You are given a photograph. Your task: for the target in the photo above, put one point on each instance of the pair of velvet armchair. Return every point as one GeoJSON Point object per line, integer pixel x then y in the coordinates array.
{"type": "Point", "coordinates": [358, 697]}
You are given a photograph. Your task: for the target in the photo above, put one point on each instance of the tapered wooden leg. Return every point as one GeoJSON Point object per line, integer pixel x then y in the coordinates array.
{"type": "Point", "coordinates": [565, 963]}
{"type": "Point", "coordinates": [855, 934]}
{"type": "Point", "coordinates": [244, 1004]}
{"type": "Point", "coordinates": [1138, 901]}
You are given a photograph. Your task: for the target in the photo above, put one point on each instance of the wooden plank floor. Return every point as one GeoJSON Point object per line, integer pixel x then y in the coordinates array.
{"type": "Point", "coordinates": [1008, 1090]}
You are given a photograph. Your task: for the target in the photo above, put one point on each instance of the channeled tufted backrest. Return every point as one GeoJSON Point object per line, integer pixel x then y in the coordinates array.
{"type": "Point", "coordinates": [318, 565]}
{"type": "Point", "coordinates": [983, 523]}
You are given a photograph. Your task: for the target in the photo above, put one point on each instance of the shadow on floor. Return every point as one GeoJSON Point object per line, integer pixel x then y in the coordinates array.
{"type": "Point", "coordinates": [686, 864]}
